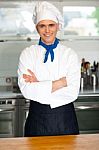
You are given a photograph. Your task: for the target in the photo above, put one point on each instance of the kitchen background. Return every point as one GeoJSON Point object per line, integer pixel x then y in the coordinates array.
{"type": "Point", "coordinates": [81, 32]}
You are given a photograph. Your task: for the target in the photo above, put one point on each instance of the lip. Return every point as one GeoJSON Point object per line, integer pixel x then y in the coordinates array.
{"type": "Point", "coordinates": [47, 35]}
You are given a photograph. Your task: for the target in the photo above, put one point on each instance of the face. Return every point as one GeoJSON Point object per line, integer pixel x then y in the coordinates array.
{"type": "Point", "coordinates": [47, 30]}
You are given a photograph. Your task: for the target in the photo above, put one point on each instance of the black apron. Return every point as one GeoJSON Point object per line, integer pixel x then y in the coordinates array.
{"type": "Point", "coordinates": [44, 121]}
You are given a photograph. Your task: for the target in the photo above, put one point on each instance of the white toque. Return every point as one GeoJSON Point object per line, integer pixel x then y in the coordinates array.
{"type": "Point", "coordinates": [46, 11]}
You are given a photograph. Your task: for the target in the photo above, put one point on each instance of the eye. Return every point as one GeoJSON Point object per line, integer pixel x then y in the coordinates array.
{"type": "Point", "coordinates": [41, 25]}
{"type": "Point", "coordinates": [52, 25]}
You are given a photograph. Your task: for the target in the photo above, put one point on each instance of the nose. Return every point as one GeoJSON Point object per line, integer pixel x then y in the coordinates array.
{"type": "Point", "coordinates": [47, 29]}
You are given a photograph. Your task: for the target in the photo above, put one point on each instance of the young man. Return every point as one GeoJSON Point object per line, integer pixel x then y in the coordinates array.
{"type": "Point", "coordinates": [49, 76]}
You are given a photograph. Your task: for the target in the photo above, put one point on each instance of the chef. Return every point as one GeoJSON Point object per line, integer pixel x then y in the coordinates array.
{"type": "Point", "coordinates": [49, 76]}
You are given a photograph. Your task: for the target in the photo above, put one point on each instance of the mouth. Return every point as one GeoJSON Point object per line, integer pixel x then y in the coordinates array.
{"type": "Point", "coordinates": [47, 37]}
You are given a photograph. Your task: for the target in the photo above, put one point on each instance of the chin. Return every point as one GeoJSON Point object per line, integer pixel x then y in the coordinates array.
{"type": "Point", "coordinates": [49, 41]}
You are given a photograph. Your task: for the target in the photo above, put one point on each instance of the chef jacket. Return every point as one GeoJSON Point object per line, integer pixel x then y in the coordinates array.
{"type": "Point", "coordinates": [65, 64]}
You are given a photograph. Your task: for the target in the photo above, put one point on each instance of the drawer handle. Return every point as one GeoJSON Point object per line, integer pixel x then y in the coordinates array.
{"type": "Point", "coordinates": [3, 110]}
{"type": "Point", "coordinates": [86, 107]}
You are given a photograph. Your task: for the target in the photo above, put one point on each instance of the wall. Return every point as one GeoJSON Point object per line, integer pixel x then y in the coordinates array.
{"type": "Point", "coordinates": [88, 49]}
{"type": "Point", "coordinates": [10, 51]}
{"type": "Point", "coordinates": [9, 55]}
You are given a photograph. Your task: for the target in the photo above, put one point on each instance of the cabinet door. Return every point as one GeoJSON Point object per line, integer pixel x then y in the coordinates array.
{"type": "Point", "coordinates": [88, 116]}
{"type": "Point", "coordinates": [7, 123]}
{"type": "Point", "coordinates": [89, 98]}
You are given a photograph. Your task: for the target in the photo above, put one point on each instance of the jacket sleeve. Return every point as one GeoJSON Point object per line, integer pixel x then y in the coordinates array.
{"type": "Point", "coordinates": [69, 93]}
{"type": "Point", "coordinates": [37, 91]}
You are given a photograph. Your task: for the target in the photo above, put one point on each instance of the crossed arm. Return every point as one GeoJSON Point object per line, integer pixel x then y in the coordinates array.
{"type": "Point", "coordinates": [57, 84]}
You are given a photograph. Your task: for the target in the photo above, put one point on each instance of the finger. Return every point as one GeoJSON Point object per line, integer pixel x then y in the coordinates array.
{"type": "Point", "coordinates": [25, 76]}
{"type": "Point", "coordinates": [33, 75]}
{"type": "Point", "coordinates": [27, 80]}
{"type": "Point", "coordinates": [30, 72]}
{"type": "Point", "coordinates": [30, 78]}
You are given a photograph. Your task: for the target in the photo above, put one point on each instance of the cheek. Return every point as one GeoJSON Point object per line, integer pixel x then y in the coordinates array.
{"type": "Point", "coordinates": [40, 33]}
{"type": "Point", "coordinates": [56, 29]}
{"type": "Point", "coordinates": [38, 30]}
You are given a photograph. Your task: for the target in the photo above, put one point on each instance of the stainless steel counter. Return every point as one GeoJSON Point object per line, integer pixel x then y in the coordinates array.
{"type": "Point", "coordinates": [89, 93]}
{"type": "Point", "coordinates": [10, 94]}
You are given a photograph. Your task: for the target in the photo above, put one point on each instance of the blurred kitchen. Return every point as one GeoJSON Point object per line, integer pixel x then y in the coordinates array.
{"type": "Point", "coordinates": [17, 31]}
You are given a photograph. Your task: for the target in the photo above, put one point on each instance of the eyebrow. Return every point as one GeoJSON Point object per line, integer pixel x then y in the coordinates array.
{"type": "Point", "coordinates": [46, 24]}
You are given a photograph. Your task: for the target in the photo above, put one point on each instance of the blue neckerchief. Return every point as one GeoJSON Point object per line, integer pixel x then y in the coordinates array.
{"type": "Point", "coordinates": [49, 49]}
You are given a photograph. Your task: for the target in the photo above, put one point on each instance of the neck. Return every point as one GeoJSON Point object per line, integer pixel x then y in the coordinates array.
{"type": "Point", "coordinates": [47, 43]}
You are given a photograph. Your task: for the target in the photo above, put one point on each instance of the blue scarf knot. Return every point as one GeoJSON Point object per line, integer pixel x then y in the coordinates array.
{"type": "Point", "coordinates": [49, 49]}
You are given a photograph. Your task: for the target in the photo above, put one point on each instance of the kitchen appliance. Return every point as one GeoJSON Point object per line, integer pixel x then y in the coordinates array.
{"type": "Point", "coordinates": [87, 110]}
{"type": "Point", "coordinates": [23, 113]}
{"type": "Point", "coordinates": [14, 110]}
{"type": "Point", "coordinates": [8, 118]}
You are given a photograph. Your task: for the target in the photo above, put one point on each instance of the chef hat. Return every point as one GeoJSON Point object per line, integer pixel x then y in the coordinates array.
{"type": "Point", "coordinates": [46, 11]}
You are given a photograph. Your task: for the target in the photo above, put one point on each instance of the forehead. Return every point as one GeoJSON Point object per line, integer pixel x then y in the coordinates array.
{"type": "Point", "coordinates": [46, 22]}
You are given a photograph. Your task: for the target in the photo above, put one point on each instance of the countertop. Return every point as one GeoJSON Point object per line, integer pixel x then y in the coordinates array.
{"type": "Point", "coordinates": [66, 142]}
{"type": "Point", "coordinates": [88, 91]}
{"type": "Point", "coordinates": [10, 94]}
